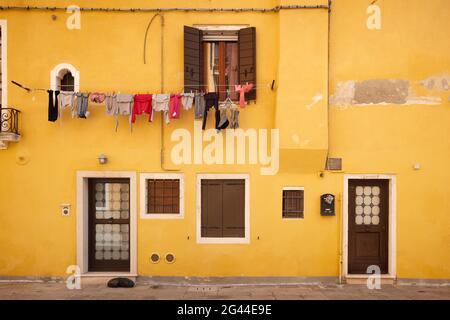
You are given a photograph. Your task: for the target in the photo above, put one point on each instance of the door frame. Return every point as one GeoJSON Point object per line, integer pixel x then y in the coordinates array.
{"type": "Point", "coordinates": [392, 224]}
{"type": "Point", "coordinates": [83, 218]}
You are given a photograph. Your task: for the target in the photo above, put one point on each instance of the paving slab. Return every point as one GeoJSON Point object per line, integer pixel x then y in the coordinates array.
{"type": "Point", "coordinates": [58, 290]}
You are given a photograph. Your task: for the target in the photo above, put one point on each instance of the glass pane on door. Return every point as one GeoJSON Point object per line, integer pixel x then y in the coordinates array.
{"type": "Point", "coordinates": [109, 224]}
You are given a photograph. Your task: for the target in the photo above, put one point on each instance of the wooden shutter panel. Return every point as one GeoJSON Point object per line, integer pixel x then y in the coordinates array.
{"type": "Point", "coordinates": [247, 59]}
{"type": "Point", "coordinates": [233, 214]}
{"type": "Point", "coordinates": [211, 217]}
{"type": "Point", "coordinates": [193, 59]}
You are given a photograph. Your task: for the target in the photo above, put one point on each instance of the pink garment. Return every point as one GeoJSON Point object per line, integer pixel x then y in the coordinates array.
{"type": "Point", "coordinates": [174, 106]}
{"type": "Point", "coordinates": [142, 104]}
{"type": "Point", "coordinates": [97, 97]}
{"type": "Point", "coordinates": [243, 89]}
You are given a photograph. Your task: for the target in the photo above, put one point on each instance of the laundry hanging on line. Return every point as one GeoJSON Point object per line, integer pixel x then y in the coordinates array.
{"type": "Point", "coordinates": [134, 105]}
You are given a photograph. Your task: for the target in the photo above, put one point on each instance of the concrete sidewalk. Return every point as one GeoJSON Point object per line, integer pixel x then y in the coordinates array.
{"type": "Point", "coordinates": [142, 290]}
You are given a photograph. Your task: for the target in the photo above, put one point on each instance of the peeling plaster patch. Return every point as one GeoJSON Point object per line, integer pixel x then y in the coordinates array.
{"type": "Point", "coordinates": [385, 92]}
{"type": "Point", "coordinates": [315, 99]}
{"type": "Point", "coordinates": [345, 92]}
{"type": "Point", "coordinates": [381, 90]}
{"type": "Point", "coordinates": [441, 82]}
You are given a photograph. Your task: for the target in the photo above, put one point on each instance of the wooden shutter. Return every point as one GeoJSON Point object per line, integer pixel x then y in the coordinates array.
{"type": "Point", "coordinates": [223, 208]}
{"type": "Point", "coordinates": [247, 59]}
{"type": "Point", "coordinates": [211, 217]}
{"type": "Point", "coordinates": [233, 209]}
{"type": "Point", "coordinates": [193, 59]}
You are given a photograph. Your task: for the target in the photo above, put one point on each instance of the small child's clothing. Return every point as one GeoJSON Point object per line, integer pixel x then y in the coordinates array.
{"type": "Point", "coordinates": [187, 100]}
{"type": "Point", "coordinates": [175, 106]}
{"type": "Point", "coordinates": [243, 89]}
{"type": "Point", "coordinates": [160, 102]}
{"type": "Point", "coordinates": [234, 119]}
{"type": "Point", "coordinates": [199, 109]}
{"type": "Point", "coordinates": [66, 100]}
{"type": "Point", "coordinates": [82, 104]}
{"type": "Point", "coordinates": [111, 104]}
{"type": "Point", "coordinates": [211, 101]}
{"type": "Point", "coordinates": [142, 104]}
{"type": "Point", "coordinates": [97, 97]}
{"type": "Point", "coordinates": [53, 105]}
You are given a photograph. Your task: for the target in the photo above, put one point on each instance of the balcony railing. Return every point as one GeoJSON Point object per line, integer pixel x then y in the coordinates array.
{"type": "Point", "coordinates": [9, 124]}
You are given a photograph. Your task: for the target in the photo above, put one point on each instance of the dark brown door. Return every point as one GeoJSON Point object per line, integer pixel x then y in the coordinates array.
{"type": "Point", "coordinates": [109, 225]}
{"type": "Point", "coordinates": [368, 208]}
{"type": "Point", "coordinates": [223, 208]}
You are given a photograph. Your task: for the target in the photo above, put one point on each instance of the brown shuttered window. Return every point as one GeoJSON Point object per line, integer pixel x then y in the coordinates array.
{"type": "Point", "coordinates": [293, 203]}
{"type": "Point", "coordinates": [163, 196]}
{"type": "Point", "coordinates": [223, 208]}
{"type": "Point", "coordinates": [197, 62]}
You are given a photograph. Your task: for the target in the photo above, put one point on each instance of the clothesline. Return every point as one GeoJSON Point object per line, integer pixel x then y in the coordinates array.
{"type": "Point", "coordinates": [261, 86]}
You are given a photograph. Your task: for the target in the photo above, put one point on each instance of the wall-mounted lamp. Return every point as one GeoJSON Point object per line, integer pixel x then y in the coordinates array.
{"type": "Point", "coordinates": [102, 159]}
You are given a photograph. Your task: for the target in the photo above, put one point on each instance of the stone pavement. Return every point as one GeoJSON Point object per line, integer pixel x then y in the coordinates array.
{"type": "Point", "coordinates": [58, 290]}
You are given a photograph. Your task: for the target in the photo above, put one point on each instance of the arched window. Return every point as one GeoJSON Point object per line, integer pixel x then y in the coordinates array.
{"type": "Point", "coordinates": [67, 82]}
{"type": "Point", "coordinates": [65, 77]}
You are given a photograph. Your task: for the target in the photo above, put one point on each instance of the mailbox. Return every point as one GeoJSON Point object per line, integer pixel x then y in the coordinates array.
{"type": "Point", "coordinates": [327, 205]}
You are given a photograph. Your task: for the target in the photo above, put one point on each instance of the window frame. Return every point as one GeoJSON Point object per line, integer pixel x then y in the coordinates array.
{"type": "Point", "coordinates": [193, 66]}
{"type": "Point", "coordinates": [282, 200]}
{"type": "Point", "coordinates": [58, 73]}
{"type": "Point", "coordinates": [220, 240]}
{"type": "Point", "coordinates": [144, 177]}
{"type": "Point", "coordinates": [63, 78]}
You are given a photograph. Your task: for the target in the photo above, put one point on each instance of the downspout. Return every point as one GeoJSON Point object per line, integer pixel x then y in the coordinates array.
{"type": "Point", "coordinates": [328, 144]}
{"type": "Point", "coordinates": [340, 238]}
{"type": "Point", "coordinates": [162, 151]}
{"type": "Point", "coordinates": [328, 84]}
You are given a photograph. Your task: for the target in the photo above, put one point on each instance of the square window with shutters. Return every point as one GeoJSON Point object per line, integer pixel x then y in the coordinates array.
{"type": "Point", "coordinates": [217, 60]}
{"type": "Point", "coordinates": [163, 196]}
{"type": "Point", "coordinates": [293, 203]}
{"type": "Point", "coordinates": [223, 208]}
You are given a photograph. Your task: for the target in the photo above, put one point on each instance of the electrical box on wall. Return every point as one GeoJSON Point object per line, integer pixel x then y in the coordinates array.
{"type": "Point", "coordinates": [327, 205]}
{"type": "Point", "coordinates": [65, 210]}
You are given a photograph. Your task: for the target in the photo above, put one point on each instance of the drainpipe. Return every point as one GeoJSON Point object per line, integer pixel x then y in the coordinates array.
{"type": "Point", "coordinates": [328, 82]}
{"type": "Point", "coordinates": [162, 151]}
{"type": "Point", "coordinates": [340, 237]}
{"type": "Point", "coordinates": [328, 143]}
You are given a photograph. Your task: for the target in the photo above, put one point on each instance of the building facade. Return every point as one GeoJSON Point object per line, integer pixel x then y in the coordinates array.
{"type": "Point", "coordinates": [346, 133]}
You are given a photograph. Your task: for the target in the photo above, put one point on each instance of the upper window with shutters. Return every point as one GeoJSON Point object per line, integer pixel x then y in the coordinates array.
{"type": "Point", "coordinates": [216, 58]}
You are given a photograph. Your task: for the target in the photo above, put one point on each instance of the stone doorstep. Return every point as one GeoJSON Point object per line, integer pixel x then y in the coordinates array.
{"type": "Point", "coordinates": [362, 280]}
{"type": "Point", "coordinates": [102, 279]}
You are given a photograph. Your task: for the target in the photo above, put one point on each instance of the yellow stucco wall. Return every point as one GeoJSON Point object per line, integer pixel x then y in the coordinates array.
{"type": "Point", "coordinates": [292, 49]}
